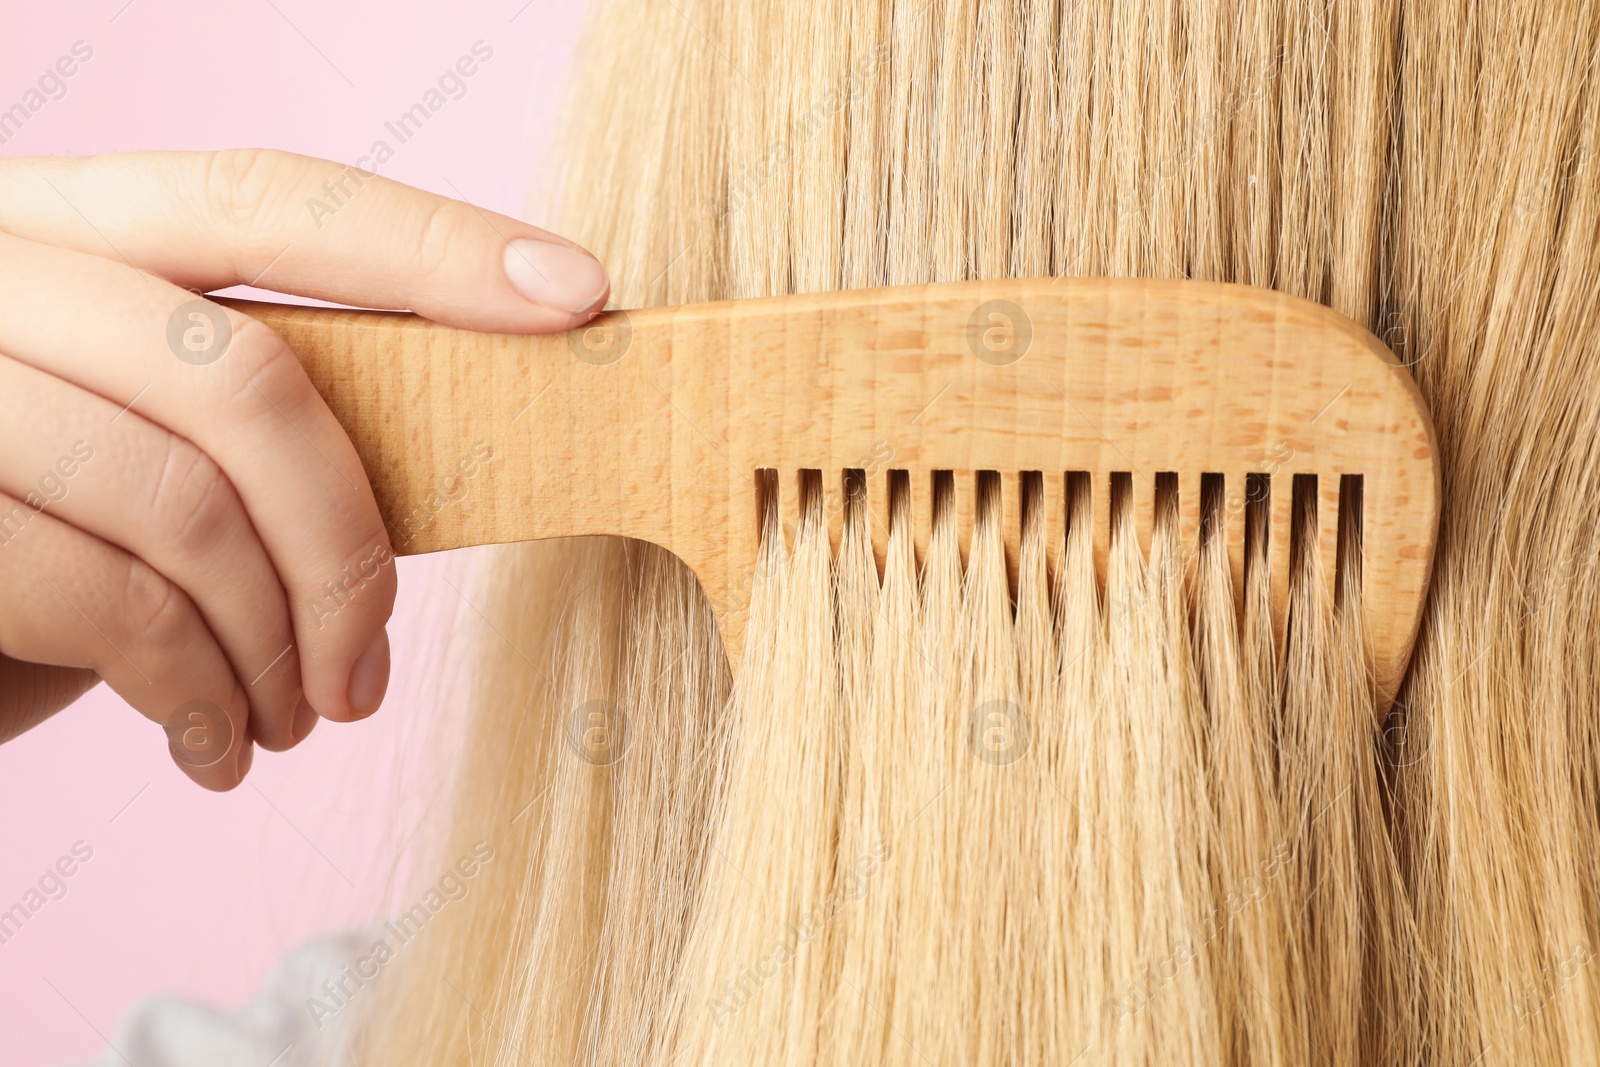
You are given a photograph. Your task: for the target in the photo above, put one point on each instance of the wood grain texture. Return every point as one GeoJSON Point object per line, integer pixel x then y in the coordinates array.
{"type": "Point", "coordinates": [654, 423]}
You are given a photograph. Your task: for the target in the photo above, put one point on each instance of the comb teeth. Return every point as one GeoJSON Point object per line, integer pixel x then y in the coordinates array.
{"type": "Point", "coordinates": [1021, 492]}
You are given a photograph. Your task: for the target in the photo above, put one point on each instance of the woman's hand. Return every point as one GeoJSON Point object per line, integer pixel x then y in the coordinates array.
{"type": "Point", "coordinates": [174, 495]}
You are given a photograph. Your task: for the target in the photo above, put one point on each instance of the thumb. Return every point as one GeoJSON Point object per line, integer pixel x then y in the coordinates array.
{"type": "Point", "coordinates": [208, 220]}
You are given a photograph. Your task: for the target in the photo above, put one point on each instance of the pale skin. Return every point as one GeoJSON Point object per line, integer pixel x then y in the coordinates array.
{"type": "Point", "coordinates": [171, 525]}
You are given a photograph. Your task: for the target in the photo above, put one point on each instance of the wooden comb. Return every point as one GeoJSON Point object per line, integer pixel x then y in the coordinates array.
{"type": "Point", "coordinates": [663, 424]}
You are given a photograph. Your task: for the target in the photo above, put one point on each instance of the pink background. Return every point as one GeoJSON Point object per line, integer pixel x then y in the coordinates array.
{"type": "Point", "coordinates": [187, 891]}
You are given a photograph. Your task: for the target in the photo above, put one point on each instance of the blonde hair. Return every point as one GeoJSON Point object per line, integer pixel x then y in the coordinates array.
{"type": "Point", "coordinates": [931, 823]}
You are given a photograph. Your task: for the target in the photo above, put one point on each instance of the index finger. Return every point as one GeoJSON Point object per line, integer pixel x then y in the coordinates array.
{"type": "Point", "coordinates": [209, 220]}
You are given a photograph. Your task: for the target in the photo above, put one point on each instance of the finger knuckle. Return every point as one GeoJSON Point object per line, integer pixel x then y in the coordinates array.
{"type": "Point", "coordinates": [194, 502]}
{"type": "Point", "coordinates": [155, 612]}
{"type": "Point", "coordinates": [442, 230]}
{"type": "Point", "coordinates": [244, 184]}
{"type": "Point", "coordinates": [265, 379]}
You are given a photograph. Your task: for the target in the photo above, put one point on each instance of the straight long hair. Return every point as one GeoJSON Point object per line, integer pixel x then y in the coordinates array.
{"type": "Point", "coordinates": [1082, 819]}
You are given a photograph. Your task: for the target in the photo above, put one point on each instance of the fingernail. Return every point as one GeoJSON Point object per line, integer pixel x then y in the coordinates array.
{"type": "Point", "coordinates": [247, 756]}
{"type": "Point", "coordinates": [369, 678]}
{"type": "Point", "coordinates": [555, 275]}
{"type": "Point", "coordinates": [305, 717]}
